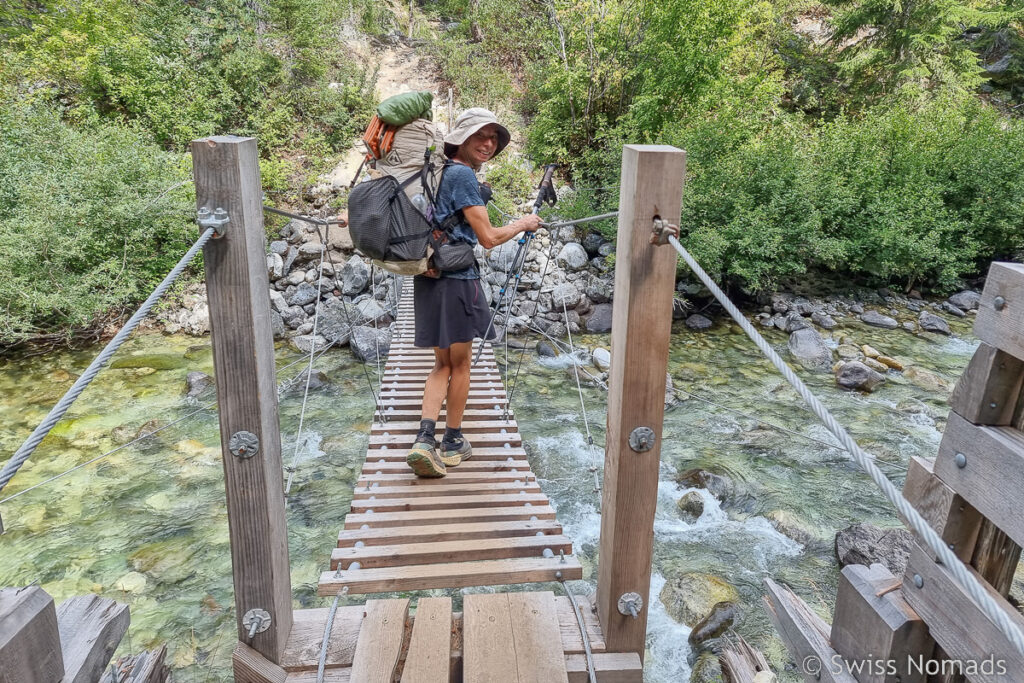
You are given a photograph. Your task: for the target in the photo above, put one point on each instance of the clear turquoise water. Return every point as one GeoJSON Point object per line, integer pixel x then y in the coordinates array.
{"type": "Point", "coordinates": [147, 524]}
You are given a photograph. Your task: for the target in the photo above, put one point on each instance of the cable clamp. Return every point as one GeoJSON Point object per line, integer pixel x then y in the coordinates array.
{"type": "Point", "coordinates": [216, 220]}
{"type": "Point", "coordinates": [662, 231]}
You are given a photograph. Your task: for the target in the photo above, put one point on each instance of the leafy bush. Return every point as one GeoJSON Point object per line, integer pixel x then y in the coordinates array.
{"type": "Point", "coordinates": [91, 219]}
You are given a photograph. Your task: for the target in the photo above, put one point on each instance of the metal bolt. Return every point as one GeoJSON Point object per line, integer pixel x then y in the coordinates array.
{"type": "Point", "coordinates": [243, 444]}
{"type": "Point", "coordinates": [217, 220]}
{"type": "Point", "coordinates": [961, 460]}
{"type": "Point", "coordinates": [918, 580]}
{"type": "Point", "coordinates": [257, 621]}
{"type": "Point", "coordinates": [630, 604]}
{"type": "Point", "coordinates": [992, 405]}
{"type": "Point", "coordinates": [641, 439]}
{"type": "Point", "coordinates": [999, 303]}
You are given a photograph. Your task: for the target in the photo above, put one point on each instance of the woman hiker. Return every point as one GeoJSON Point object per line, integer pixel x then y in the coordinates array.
{"type": "Point", "coordinates": [451, 310]}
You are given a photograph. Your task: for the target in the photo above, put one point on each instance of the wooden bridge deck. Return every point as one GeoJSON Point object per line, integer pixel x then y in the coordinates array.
{"type": "Point", "coordinates": [485, 523]}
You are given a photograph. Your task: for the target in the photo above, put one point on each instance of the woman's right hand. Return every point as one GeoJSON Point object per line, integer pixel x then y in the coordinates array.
{"type": "Point", "coordinates": [528, 223]}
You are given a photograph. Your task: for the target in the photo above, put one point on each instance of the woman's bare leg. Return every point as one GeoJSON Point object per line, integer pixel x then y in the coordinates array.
{"type": "Point", "coordinates": [437, 386]}
{"type": "Point", "coordinates": [460, 358]}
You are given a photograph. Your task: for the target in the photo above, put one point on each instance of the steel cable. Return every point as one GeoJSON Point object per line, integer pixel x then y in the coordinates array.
{"type": "Point", "coordinates": [57, 412]}
{"type": "Point", "coordinates": [924, 530]}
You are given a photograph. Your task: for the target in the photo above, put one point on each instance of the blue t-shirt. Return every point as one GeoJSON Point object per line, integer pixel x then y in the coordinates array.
{"type": "Point", "coordinates": [459, 189]}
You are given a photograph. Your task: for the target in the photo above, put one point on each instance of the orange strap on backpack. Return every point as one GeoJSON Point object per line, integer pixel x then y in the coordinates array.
{"type": "Point", "coordinates": [379, 138]}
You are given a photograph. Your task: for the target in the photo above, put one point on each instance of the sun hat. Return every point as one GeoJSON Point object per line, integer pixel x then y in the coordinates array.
{"type": "Point", "coordinates": [469, 122]}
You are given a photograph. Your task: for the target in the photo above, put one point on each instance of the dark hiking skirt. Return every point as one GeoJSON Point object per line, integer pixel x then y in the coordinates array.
{"type": "Point", "coordinates": [449, 311]}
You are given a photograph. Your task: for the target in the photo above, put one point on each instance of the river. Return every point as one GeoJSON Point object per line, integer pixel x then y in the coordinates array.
{"type": "Point", "coordinates": [147, 524]}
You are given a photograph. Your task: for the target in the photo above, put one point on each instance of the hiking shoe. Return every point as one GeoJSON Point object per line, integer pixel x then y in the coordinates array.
{"type": "Point", "coordinates": [424, 460]}
{"type": "Point", "coordinates": [453, 453]}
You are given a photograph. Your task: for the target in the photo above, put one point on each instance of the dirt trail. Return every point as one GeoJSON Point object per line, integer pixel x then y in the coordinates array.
{"type": "Point", "coordinates": [399, 69]}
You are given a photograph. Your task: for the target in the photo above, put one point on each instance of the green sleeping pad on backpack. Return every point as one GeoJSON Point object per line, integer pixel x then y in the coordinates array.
{"type": "Point", "coordinates": [399, 110]}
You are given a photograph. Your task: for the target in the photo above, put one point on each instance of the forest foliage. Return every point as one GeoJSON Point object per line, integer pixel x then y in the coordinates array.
{"type": "Point", "coordinates": [874, 141]}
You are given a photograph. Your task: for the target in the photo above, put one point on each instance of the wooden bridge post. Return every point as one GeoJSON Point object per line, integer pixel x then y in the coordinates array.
{"type": "Point", "coordinates": [227, 176]}
{"type": "Point", "coordinates": [652, 182]}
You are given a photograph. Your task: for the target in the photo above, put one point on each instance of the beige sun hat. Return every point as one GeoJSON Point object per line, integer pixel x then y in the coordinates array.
{"type": "Point", "coordinates": [469, 122]}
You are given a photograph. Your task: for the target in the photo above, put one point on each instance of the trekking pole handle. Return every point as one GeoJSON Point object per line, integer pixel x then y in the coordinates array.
{"type": "Point", "coordinates": [546, 189]}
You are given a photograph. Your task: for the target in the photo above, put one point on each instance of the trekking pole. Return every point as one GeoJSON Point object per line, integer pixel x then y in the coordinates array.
{"type": "Point", "coordinates": [545, 193]}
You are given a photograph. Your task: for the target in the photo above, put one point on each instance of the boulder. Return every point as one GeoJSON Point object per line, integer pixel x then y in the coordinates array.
{"type": "Point", "coordinates": [867, 544]}
{"type": "Point", "coordinates": [337, 317]}
{"type": "Point", "coordinates": [304, 294]}
{"type": "Point", "coordinates": [718, 485]}
{"type": "Point", "coordinates": [275, 266]}
{"type": "Point", "coordinates": [858, 376]}
{"type": "Point", "coordinates": [966, 300]}
{"type": "Point", "coordinates": [370, 344]}
{"type": "Point", "coordinates": [927, 380]}
{"type": "Point", "coordinates": [823, 320]}
{"type": "Point", "coordinates": [500, 257]}
{"type": "Point", "coordinates": [809, 349]}
{"type": "Point", "coordinates": [277, 326]}
{"type": "Point", "coordinates": [890, 363]}
{"type": "Point", "coordinates": [600, 318]}
{"type": "Point", "coordinates": [848, 352]}
{"type": "Point", "coordinates": [197, 384]}
{"type": "Point", "coordinates": [952, 310]}
{"type": "Point", "coordinates": [690, 506]}
{"type": "Point", "coordinates": [876, 365]}
{"type": "Point", "coordinates": [599, 291]}
{"type": "Point", "coordinates": [706, 669]}
{"type": "Point", "coordinates": [279, 247]}
{"type": "Point", "coordinates": [277, 301]}
{"type": "Point", "coordinates": [690, 597]}
{"type": "Point", "coordinates": [606, 249]}
{"type": "Point", "coordinates": [602, 359]}
{"type": "Point", "coordinates": [876, 319]}
{"type": "Point", "coordinates": [546, 350]}
{"type": "Point", "coordinates": [573, 256]}
{"type": "Point", "coordinates": [933, 323]}
{"type": "Point", "coordinates": [719, 619]}
{"type": "Point", "coordinates": [355, 275]}
{"type": "Point", "coordinates": [370, 311]}
{"type": "Point", "coordinates": [307, 343]}
{"type": "Point", "coordinates": [699, 322]}
{"type": "Point", "coordinates": [791, 526]}
{"type": "Point", "coordinates": [566, 295]}
{"type": "Point", "coordinates": [870, 351]}
{"type": "Point", "coordinates": [592, 241]}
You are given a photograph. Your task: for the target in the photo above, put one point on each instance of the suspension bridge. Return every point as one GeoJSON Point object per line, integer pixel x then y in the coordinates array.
{"type": "Point", "coordinates": [488, 523]}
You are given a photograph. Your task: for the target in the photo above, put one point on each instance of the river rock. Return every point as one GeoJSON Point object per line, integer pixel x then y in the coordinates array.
{"type": "Point", "coordinates": [933, 323]}
{"type": "Point", "coordinates": [848, 352]}
{"type": "Point", "coordinates": [926, 379]}
{"type": "Point", "coordinates": [876, 365]}
{"type": "Point", "coordinates": [717, 622]}
{"type": "Point", "coordinates": [690, 597]}
{"type": "Point", "coordinates": [699, 322]}
{"type": "Point", "coordinates": [277, 301]}
{"type": "Point", "coordinates": [369, 344]}
{"type": "Point", "coordinates": [197, 383]}
{"type": "Point", "coordinates": [966, 300]}
{"type": "Point", "coordinates": [354, 276]}
{"type": "Point", "coordinates": [500, 257]}
{"type": "Point", "coordinates": [307, 343]}
{"type": "Point", "coordinates": [304, 294]}
{"type": "Point", "coordinates": [573, 256]}
{"type": "Point", "coordinates": [546, 350]}
{"type": "Point", "coordinates": [858, 376]}
{"type": "Point", "coordinates": [870, 351]}
{"type": "Point", "coordinates": [876, 319]}
{"type": "Point", "coordinates": [599, 291]}
{"type": "Point", "coordinates": [279, 247]}
{"type": "Point", "coordinates": [952, 310]}
{"type": "Point", "coordinates": [866, 544]}
{"type": "Point", "coordinates": [890, 363]}
{"type": "Point", "coordinates": [823, 320]}
{"type": "Point", "coordinates": [277, 326]}
{"type": "Point", "coordinates": [337, 317]}
{"type": "Point", "coordinates": [600, 319]}
{"type": "Point", "coordinates": [370, 312]}
{"type": "Point", "coordinates": [592, 241]}
{"type": "Point", "coordinates": [297, 276]}
{"type": "Point", "coordinates": [720, 486]}
{"type": "Point", "coordinates": [275, 266]}
{"type": "Point", "coordinates": [793, 321]}
{"type": "Point", "coordinates": [318, 380]}
{"type": "Point", "coordinates": [791, 526]}
{"type": "Point", "coordinates": [606, 249]}
{"type": "Point", "coordinates": [809, 349]}
{"type": "Point", "coordinates": [602, 359]}
{"type": "Point", "coordinates": [566, 295]}
{"type": "Point", "coordinates": [690, 506]}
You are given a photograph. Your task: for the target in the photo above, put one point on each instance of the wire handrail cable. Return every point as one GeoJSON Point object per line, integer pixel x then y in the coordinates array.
{"type": "Point", "coordinates": [57, 412]}
{"type": "Point", "coordinates": [957, 568]}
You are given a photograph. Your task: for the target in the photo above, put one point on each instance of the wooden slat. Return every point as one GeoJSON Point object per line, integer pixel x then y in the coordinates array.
{"type": "Point", "coordinates": [992, 479]}
{"type": "Point", "coordinates": [952, 517]}
{"type": "Point", "coordinates": [419, 518]}
{"type": "Point", "coordinates": [361, 492]}
{"type": "Point", "coordinates": [955, 621]}
{"type": "Point", "coordinates": [572, 641]}
{"type": "Point", "coordinates": [539, 657]}
{"type": "Point", "coordinates": [1003, 328]}
{"type": "Point", "coordinates": [447, 502]}
{"type": "Point", "coordinates": [306, 639]}
{"type": "Point", "coordinates": [804, 633]}
{"type": "Point", "coordinates": [380, 641]}
{"type": "Point", "coordinates": [450, 551]}
{"type": "Point", "coordinates": [398, 453]}
{"type": "Point", "coordinates": [403, 441]}
{"type": "Point", "coordinates": [989, 388]}
{"type": "Point", "coordinates": [408, 479]}
{"type": "Point", "coordinates": [520, 466]}
{"type": "Point", "coordinates": [446, 533]}
{"type": "Point", "coordinates": [468, 426]}
{"type": "Point", "coordinates": [489, 649]}
{"type": "Point", "coordinates": [249, 666]}
{"type": "Point", "coordinates": [454, 575]}
{"type": "Point", "coordinates": [330, 676]}
{"type": "Point", "coordinates": [430, 648]}
{"type": "Point", "coordinates": [29, 637]}
{"type": "Point", "coordinates": [91, 628]}
{"type": "Point", "coordinates": [610, 667]}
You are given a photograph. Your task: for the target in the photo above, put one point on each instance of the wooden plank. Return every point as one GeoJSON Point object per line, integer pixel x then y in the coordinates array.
{"type": "Point", "coordinates": [610, 667]}
{"type": "Point", "coordinates": [422, 517]}
{"type": "Point", "coordinates": [1002, 328]}
{"type": "Point", "coordinates": [740, 662]}
{"type": "Point", "coordinates": [874, 622]}
{"type": "Point", "coordinates": [989, 388]}
{"type": "Point", "coordinates": [537, 644]}
{"type": "Point", "coordinates": [488, 646]}
{"type": "Point", "coordinates": [249, 666]}
{"type": "Point", "coordinates": [444, 489]}
{"type": "Point", "coordinates": [145, 667]}
{"type": "Point", "coordinates": [330, 676]}
{"type": "Point", "coordinates": [956, 622]}
{"type": "Point", "coordinates": [569, 628]}
{"type": "Point", "coordinates": [992, 479]}
{"type": "Point", "coordinates": [454, 575]}
{"type": "Point", "coordinates": [395, 467]}
{"type": "Point", "coordinates": [996, 557]}
{"type": "Point", "coordinates": [651, 185]}
{"type": "Point", "coordinates": [487, 413]}
{"type": "Point", "coordinates": [91, 628]}
{"type": "Point", "coordinates": [409, 480]}
{"type": "Point", "coordinates": [469, 426]}
{"type": "Point", "coordinates": [30, 650]}
{"type": "Point", "coordinates": [380, 641]}
{"type": "Point", "coordinates": [951, 516]}
{"type": "Point", "coordinates": [306, 639]}
{"type": "Point", "coordinates": [483, 439]}
{"type": "Point", "coordinates": [410, 504]}
{"type": "Point", "coordinates": [446, 533]}
{"type": "Point", "coordinates": [226, 170]}
{"type": "Point", "coordinates": [451, 551]}
{"type": "Point", "coordinates": [395, 453]}
{"type": "Point", "coordinates": [430, 648]}
{"type": "Point", "coordinates": [804, 633]}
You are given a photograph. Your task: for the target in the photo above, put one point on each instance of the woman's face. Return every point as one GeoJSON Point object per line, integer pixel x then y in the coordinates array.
{"type": "Point", "coordinates": [480, 146]}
